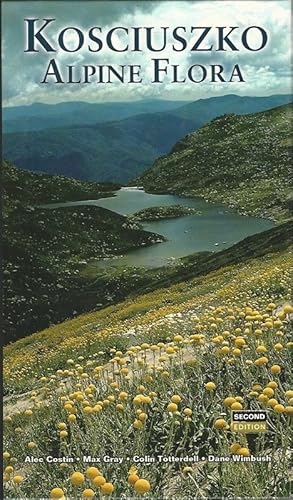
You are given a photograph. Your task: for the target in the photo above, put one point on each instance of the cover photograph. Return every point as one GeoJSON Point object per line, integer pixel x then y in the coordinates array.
{"type": "Point", "coordinates": [147, 249]}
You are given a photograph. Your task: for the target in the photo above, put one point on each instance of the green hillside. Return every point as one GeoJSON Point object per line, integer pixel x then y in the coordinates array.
{"type": "Point", "coordinates": [45, 250]}
{"type": "Point", "coordinates": [26, 188]}
{"type": "Point", "coordinates": [240, 161]}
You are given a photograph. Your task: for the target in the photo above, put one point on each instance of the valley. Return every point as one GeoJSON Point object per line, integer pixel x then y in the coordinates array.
{"type": "Point", "coordinates": [111, 141]}
{"type": "Point", "coordinates": [68, 257]}
{"type": "Point", "coordinates": [145, 316]}
{"type": "Point", "coordinates": [89, 253]}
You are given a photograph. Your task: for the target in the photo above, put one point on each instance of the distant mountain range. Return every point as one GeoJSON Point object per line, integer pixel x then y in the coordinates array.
{"type": "Point", "coordinates": [115, 150]}
{"type": "Point", "coordinates": [240, 161]}
{"type": "Point", "coordinates": [40, 116]}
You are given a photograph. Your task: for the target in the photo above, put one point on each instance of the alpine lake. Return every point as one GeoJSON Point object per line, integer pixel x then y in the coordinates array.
{"type": "Point", "coordinates": [212, 228]}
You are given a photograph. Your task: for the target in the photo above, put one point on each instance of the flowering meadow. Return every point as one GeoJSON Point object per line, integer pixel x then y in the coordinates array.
{"type": "Point", "coordinates": [118, 402]}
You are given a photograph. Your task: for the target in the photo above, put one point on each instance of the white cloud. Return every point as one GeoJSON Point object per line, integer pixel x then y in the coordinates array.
{"type": "Point", "coordinates": [265, 72]}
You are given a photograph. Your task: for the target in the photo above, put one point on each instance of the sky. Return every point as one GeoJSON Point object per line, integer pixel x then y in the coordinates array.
{"type": "Point", "coordinates": [266, 72]}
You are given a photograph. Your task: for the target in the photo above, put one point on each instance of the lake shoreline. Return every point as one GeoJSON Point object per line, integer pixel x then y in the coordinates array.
{"type": "Point", "coordinates": [246, 213]}
{"type": "Point", "coordinates": [211, 227]}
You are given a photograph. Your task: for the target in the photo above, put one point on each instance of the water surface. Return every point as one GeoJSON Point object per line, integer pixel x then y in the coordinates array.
{"type": "Point", "coordinates": [215, 228]}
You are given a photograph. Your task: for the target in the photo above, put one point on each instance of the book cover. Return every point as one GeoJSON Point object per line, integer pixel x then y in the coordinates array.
{"type": "Point", "coordinates": [147, 219]}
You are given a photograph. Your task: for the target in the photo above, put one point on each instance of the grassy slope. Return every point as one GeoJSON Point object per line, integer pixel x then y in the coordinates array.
{"type": "Point", "coordinates": [242, 161]}
{"type": "Point", "coordinates": [204, 275]}
{"type": "Point", "coordinates": [44, 250]}
{"type": "Point", "coordinates": [199, 325]}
